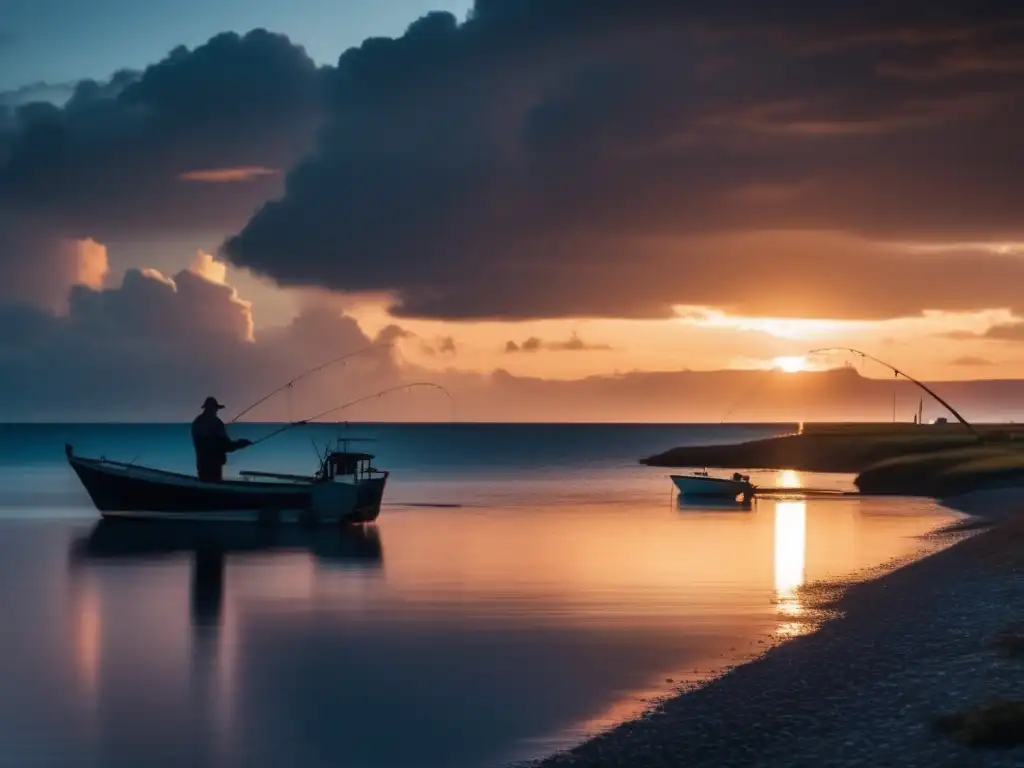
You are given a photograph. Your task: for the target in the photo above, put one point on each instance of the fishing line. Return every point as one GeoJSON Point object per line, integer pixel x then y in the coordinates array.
{"type": "Point", "coordinates": [745, 393]}
{"type": "Point", "coordinates": [865, 356]}
{"type": "Point", "coordinates": [310, 372]}
{"type": "Point", "coordinates": [357, 401]}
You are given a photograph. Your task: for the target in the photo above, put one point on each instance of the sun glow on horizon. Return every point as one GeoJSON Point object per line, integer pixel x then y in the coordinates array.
{"type": "Point", "coordinates": [779, 327]}
{"type": "Point", "coordinates": [790, 364]}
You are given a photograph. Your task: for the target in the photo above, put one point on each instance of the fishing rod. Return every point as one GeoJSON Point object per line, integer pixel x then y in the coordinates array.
{"type": "Point", "coordinates": [351, 403]}
{"type": "Point", "coordinates": [898, 372]}
{"type": "Point", "coordinates": [311, 371]}
{"type": "Point", "coordinates": [743, 395]}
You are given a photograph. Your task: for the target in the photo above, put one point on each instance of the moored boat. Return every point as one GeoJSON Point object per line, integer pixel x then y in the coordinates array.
{"type": "Point", "coordinates": [345, 489]}
{"type": "Point", "coordinates": [702, 485]}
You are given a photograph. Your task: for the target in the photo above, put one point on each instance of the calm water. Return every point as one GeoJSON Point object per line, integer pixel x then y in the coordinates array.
{"type": "Point", "coordinates": [525, 585]}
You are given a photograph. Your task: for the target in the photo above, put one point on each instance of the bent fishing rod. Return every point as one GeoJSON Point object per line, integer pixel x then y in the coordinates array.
{"type": "Point", "coordinates": [351, 403]}
{"type": "Point", "coordinates": [310, 372]}
{"type": "Point", "coordinates": [898, 372]}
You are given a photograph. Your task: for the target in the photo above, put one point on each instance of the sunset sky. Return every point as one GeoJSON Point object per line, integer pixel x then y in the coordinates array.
{"type": "Point", "coordinates": [533, 200]}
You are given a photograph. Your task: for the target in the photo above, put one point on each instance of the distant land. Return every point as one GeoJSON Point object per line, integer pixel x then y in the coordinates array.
{"type": "Point", "coordinates": [836, 395]}
{"type": "Point", "coordinates": [732, 397]}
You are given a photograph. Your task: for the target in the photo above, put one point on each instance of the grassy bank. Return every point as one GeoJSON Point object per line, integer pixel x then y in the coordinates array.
{"type": "Point", "coordinates": [946, 473]}
{"type": "Point", "coordinates": [928, 460]}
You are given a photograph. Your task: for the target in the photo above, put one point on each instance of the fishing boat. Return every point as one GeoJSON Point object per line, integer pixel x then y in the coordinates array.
{"type": "Point", "coordinates": [702, 485]}
{"type": "Point", "coordinates": [346, 488]}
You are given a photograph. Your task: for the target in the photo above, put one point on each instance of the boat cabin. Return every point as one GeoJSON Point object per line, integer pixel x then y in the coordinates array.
{"type": "Point", "coordinates": [347, 464]}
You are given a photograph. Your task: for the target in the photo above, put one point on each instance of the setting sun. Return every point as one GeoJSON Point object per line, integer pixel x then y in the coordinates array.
{"type": "Point", "coordinates": [791, 364]}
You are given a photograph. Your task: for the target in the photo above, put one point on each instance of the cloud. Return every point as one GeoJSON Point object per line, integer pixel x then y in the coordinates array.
{"type": "Point", "coordinates": [971, 361]}
{"type": "Point", "coordinates": [39, 266]}
{"type": "Point", "coordinates": [227, 175]}
{"type": "Point", "coordinates": [122, 158]}
{"type": "Point", "coordinates": [148, 305]}
{"type": "Point", "coordinates": [573, 344]}
{"type": "Point", "coordinates": [57, 93]}
{"type": "Point", "coordinates": [567, 158]}
{"type": "Point", "coordinates": [444, 345]}
{"type": "Point", "coordinates": [1008, 331]}
{"type": "Point", "coordinates": [393, 333]}
{"type": "Point", "coordinates": [153, 346]}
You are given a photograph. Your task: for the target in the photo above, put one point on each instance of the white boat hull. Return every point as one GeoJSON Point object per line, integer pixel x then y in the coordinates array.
{"type": "Point", "coordinates": [711, 487]}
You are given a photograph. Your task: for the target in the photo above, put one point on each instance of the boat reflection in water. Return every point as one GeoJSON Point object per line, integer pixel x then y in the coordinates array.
{"type": "Point", "coordinates": [215, 637]}
{"type": "Point", "coordinates": [350, 548]}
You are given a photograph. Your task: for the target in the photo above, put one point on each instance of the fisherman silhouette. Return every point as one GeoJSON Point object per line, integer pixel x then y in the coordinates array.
{"type": "Point", "coordinates": [211, 441]}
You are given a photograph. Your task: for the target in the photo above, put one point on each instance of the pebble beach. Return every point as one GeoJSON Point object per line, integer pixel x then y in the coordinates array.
{"type": "Point", "coordinates": [870, 687]}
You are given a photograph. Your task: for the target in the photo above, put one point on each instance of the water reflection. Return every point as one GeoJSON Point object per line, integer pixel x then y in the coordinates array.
{"type": "Point", "coordinates": [213, 645]}
{"type": "Point", "coordinates": [85, 622]}
{"type": "Point", "coordinates": [494, 632]}
{"type": "Point", "coordinates": [790, 561]}
{"type": "Point", "coordinates": [209, 544]}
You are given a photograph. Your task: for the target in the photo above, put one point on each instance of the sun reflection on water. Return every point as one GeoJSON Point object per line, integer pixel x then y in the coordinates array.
{"type": "Point", "coordinates": [86, 633]}
{"type": "Point", "coordinates": [789, 479]}
{"type": "Point", "coordinates": [790, 559]}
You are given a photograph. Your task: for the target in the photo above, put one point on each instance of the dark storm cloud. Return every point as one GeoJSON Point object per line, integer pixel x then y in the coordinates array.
{"type": "Point", "coordinates": [40, 91]}
{"type": "Point", "coordinates": [564, 158]}
{"type": "Point", "coordinates": [110, 161]}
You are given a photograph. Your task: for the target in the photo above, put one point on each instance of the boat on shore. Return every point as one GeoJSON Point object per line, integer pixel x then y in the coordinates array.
{"type": "Point", "coordinates": [345, 489]}
{"type": "Point", "coordinates": [703, 486]}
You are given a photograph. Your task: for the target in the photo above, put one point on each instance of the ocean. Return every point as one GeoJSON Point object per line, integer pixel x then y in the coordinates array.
{"type": "Point", "coordinates": [526, 585]}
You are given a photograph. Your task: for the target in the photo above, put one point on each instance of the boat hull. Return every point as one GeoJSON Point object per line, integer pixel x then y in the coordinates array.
{"type": "Point", "coordinates": [711, 487]}
{"type": "Point", "coordinates": [125, 491]}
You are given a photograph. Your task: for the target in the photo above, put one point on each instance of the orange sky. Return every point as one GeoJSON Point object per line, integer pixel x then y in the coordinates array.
{"type": "Point", "coordinates": [931, 345]}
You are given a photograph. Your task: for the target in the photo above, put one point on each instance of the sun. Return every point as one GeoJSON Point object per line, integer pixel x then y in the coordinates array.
{"type": "Point", "coordinates": [790, 364]}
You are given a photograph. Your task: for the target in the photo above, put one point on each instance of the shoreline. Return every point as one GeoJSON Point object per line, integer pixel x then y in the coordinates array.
{"type": "Point", "coordinates": [866, 686]}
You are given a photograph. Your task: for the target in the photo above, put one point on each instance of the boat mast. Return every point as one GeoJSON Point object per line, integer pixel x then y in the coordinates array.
{"type": "Point", "coordinates": [898, 372]}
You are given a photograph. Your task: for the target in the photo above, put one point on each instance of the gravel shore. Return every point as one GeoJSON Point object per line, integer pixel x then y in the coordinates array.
{"type": "Point", "coordinates": [865, 688]}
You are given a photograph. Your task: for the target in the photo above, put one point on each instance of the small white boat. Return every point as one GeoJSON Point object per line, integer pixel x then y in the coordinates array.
{"type": "Point", "coordinates": [702, 485]}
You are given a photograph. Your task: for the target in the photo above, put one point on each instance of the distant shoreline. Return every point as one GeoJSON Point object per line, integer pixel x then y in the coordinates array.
{"type": "Point", "coordinates": [865, 688]}
{"type": "Point", "coordinates": [936, 461]}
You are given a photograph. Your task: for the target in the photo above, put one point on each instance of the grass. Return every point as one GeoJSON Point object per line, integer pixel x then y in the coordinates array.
{"type": "Point", "coordinates": [999, 724]}
{"type": "Point", "coordinates": [946, 472]}
{"type": "Point", "coordinates": [954, 429]}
